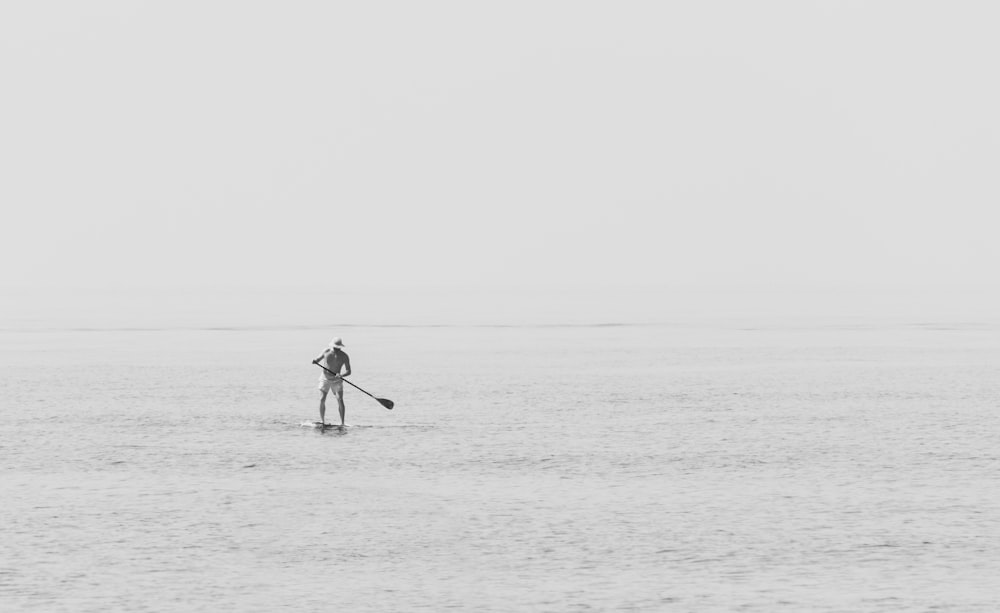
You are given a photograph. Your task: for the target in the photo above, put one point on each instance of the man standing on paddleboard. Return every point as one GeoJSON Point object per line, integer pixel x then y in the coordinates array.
{"type": "Point", "coordinates": [332, 360]}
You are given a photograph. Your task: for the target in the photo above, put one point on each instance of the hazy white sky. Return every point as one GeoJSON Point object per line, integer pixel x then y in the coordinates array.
{"type": "Point", "coordinates": [505, 143]}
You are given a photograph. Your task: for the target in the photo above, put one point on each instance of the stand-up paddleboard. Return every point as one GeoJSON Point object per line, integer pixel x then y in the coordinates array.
{"type": "Point", "coordinates": [321, 426]}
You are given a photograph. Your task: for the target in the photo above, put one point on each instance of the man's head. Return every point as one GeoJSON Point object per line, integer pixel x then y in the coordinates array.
{"type": "Point", "coordinates": [337, 344]}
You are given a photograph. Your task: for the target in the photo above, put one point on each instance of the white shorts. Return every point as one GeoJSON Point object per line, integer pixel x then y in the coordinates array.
{"type": "Point", "coordinates": [328, 385]}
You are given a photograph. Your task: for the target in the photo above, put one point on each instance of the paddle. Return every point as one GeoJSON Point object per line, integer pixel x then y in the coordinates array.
{"type": "Point", "coordinates": [382, 401]}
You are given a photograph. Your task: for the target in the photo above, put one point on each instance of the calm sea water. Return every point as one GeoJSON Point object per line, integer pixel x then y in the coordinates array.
{"type": "Point", "coordinates": [698, 467]}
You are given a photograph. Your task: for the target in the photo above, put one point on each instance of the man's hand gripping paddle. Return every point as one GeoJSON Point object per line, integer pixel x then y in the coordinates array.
{"type": "Point", "coordinates": [382, 401]}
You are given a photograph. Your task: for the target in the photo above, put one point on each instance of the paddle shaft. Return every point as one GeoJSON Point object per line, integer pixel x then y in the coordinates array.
{"type": "Point", "coordinates": [345, 380]}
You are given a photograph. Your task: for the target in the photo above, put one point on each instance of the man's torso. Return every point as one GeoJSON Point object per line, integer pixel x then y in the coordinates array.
{"type": "Point", "coordinates": [334, 361]}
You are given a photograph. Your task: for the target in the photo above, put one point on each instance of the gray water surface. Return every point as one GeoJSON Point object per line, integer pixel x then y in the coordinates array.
{"type": "Point", "coordinates": [644, 468]}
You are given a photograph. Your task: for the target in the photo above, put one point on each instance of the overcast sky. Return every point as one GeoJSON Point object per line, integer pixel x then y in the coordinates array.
{"type": "Point", "coordinates": [463, 144]}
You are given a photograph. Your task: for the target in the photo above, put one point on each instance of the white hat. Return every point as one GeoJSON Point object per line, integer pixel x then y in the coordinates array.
{"type": "Point", "coordinates": [337, 343]}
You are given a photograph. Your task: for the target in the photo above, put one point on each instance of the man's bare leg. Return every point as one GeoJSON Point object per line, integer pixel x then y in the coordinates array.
{"type": "Point", "coordinates": [340, 405]}
{"type": "Point", "coordinates": [322, 406]}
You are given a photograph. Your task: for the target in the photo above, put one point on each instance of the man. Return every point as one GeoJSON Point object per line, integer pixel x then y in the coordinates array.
{"type": "Point", "coordinates": [333, 359]}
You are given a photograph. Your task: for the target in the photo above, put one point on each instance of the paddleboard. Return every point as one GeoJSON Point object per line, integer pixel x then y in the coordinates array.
{"type": "Point", "coordinates": [321, 426]}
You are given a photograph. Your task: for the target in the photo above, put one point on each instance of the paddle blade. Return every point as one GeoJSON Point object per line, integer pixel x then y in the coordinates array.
{"type": "Point", "coordinates": [386, 403]}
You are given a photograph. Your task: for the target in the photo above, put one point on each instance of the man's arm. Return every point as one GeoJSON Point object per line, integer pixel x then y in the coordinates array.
{"type": "Point", "coordinates": [321, 356]}
{"type": "Point", "coordinates": [347, 366]}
